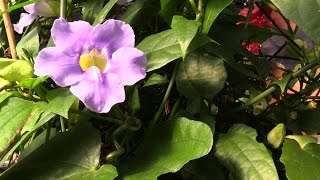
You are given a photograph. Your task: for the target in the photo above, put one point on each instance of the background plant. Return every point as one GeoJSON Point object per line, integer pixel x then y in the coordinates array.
{"type": "Point", "coordinates": [231, 92]}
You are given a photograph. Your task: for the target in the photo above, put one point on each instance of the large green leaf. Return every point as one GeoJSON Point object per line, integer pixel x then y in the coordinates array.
{"type": "Point", "coordinates": [4, 96]}
{"type": "Point", "coordinates": [17, 71]}
{"type": "Point", "coordinates": [155, 79]}
{"type": "Point", "coordinates": [185, 30]}
{"type": "Point", "coordinates": [301, 163]}
{"type": "Point", "coordinates": [170, 146]}
{"type": "Point", "coordinates": [29, 44]}
{"type": "Point", "coordinates": [60, 101]}
{"type": "Point", "coordinates": [305, 13]}
{"type": "Point", "coordinates": [160, 49]}
{"type": "Point", "coordinates": [16, 113]}
{"type": "Point", "coordinates": [213, 9]}
{"type": "Point", "coordinates": [201, 75]}
{"type": "Point", "coordinates": [239, 151]}
{"type": "Point", "coordinates": [70, 153]}
{"type": "Point", "coordinates": [105, 172]}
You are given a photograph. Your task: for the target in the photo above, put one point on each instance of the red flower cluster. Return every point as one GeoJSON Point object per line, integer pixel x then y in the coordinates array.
{"type": "Point", "coordinates": [257, 19]}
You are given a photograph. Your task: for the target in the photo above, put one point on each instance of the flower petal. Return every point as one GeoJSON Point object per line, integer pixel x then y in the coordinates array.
{"type": "Point", "coordinates": [99, 92]}
{"type": "Point", "coordinates": [112, 34]}
{"type": "Point", "coordinates": [71, 35]}
{"type": "Point", "coordinates": [129, 64]}
{"type": "Point", "coordinates": [30, 8]}
{"type": "Point", "coordinates": [25, 20]}
{"type": "Point", "coordinates": [62, 68]}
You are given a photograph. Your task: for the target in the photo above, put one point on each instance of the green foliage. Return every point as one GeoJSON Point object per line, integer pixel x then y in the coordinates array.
{"type": "Point", "coordinates": [300, 163]}
{"type": "Point", "coordinates": [239, 151]}
{"type": "Point", "coordinates": [215, 68]}
{"type": "Point", "coordinates": [201, 76]}
{"type": "Point", "coordinates": [177, 142]}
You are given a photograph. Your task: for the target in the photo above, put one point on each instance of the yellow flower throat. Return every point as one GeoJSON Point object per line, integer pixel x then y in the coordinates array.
{"type": "Point", "coordinates": [93, 58]}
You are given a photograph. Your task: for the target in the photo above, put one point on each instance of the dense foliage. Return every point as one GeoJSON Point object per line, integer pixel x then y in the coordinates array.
{"type": "Point", "coordinates": [160, 89]}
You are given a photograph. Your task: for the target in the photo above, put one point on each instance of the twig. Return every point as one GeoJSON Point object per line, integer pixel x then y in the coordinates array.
{"type": "Point", "coordinates": [9, 30]}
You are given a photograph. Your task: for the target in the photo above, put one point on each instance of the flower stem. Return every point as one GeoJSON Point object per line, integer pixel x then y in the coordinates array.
{"type": "Point", "coordinates": [200, 11]}
{"type": "Point", "coordinates": [165, 98]}
{"type": "Point", "coordinates": [271, 89]}
{"type": "Point", "coordinates": [63, 129]}
{"type": "Point", "coordinates": [9, 30]}
{"type": "Point", "coordinates": [63, 8]}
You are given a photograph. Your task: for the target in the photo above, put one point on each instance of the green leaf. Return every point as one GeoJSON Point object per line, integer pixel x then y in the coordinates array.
{"type": "Point", "coordinates": [213, 9]}
{"type": "Point", "coordinates": [105, 172]}
{"type": "Point", "coordinates": [69, 153]}
{"type": "Point", "coordinates": [303, 140]}
{"type": "Point", "coordinates": [301, 163]}
{"type": "Point", "coordinates": [15, 113]}
{"type": "Point", "coordinates": [60, 101]}
{"type": "Point", "coordinates": [177, 142]}
{"type": "Point", "coordinates": [4, 62]}
{"type": "Point", "coordinates": [185, 30]}
{"type": "Point", "coordinates": [31, 83]}
{"type": "Point", "coordinates": [155, 79]}
{"type": "Point", "coordinates": [159, 53]}
{"type": "Point", "coordinates": [276, 135]}
{"type": "Point", "coordinates": [44, 118]}
{"type": "Point", "coordinates": [17, 71]}
{"type": "Point", "coordinates": [90, 9]}
{"type": "Point", "coordinates": [304, 13]}
{"type": "Point", "coordinates": [104, 12]}
{"type": "Point", "coordinates": [133, 11]}
{"type": "Point", "coordinates": [4, 95]}
{"type": "Point", "coordinates": [201, 75]}
{"type": "Point", "coordinates": [135, 101]}
{"type": "Point", "coordinates": [29, 43]}
{"type": "Point", "coordinates": [4, 83]}
{"type": "Point", "coordinates": [239, 151]}
{"type": "Point", "coordinates": [282, 83]}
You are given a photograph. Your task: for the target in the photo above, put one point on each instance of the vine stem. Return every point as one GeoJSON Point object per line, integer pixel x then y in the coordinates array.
{"type": "Point", "coordinates": [165, 97]}
{"type": "Point", "coordinates": [63, 8]}
{"type": "Point", "coordinates": [9, 30]}
{"type": "Point", "coordinates": [271, 89]}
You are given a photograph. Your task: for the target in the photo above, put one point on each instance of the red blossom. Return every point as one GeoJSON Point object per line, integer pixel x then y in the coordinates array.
{"type": "Point", "coordinates": [253, 47]}
{"type": "Point", "coordinates": [257, 17]}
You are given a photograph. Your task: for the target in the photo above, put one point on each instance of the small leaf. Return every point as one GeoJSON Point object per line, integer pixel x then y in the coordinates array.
{"type": "Point", "coordinates": [30, 43]}
{"type": "Point", "coordinates": [31, 83]}
{"type": "Point", "coordinates": [201, 76]}
{"type": "Point", "coordinates": [155, 79]}
{"type": "Point", "coordinates": [276, 135]}
{"type": "Point", "coordinates": [239, 151]}
{"type": "Point", "coordinates": [177, 142]}
{"type": "Point", "coordinates": [17, 71]}
{"type": "Point", "coordinates": [185, 30]}
{"type": "Point", "coordinates": [160, 49]}
{"type": "Point", "coordinates": [60, 101]}
{"type": "Point", "coordinates": [135, 101]}
{"type": "Point", "coordinates": [301, 163]}
{"type": "Point", "coordinates": [69, 153]}
{"type": "Point", "coordinates": [213, 9]}
{"type": "Point", "coordinates": [303, 13]}
{"type": "Point", "coordinates": [104, 12]}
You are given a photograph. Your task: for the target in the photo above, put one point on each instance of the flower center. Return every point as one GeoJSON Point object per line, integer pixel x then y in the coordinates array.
{"type": "Point", "coordinates": [93, 58]}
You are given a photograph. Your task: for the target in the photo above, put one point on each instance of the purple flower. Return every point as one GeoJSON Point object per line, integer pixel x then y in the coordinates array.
{"type": "Point", "coordinates": [41, 8]}
{"type": "Point", "coordinates": [97, 62]}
